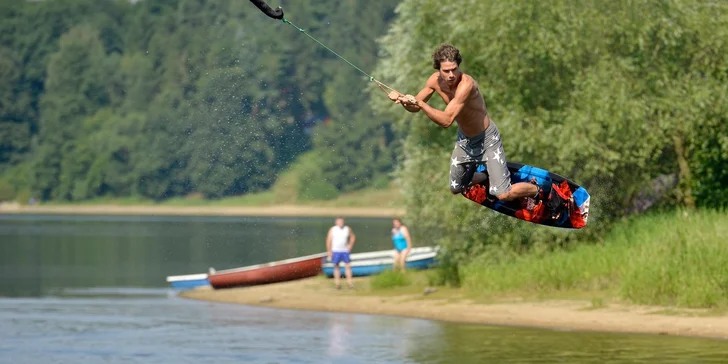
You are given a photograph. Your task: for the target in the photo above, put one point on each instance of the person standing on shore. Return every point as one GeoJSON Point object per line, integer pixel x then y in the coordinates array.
{"type": "Point", "coordinates": [402, 244]}
{"type": "Point", "coordinates": [339, 242]}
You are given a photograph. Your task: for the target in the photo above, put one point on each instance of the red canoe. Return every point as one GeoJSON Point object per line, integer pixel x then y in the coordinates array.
{"type": "Point", "coordinates": [280, 271]}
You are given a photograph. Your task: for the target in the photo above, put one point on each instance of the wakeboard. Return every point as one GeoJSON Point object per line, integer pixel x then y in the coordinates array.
{"type": "Point", "coordinates": [573, 214]}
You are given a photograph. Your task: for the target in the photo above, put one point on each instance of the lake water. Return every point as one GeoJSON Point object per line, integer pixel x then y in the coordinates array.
{"type": "Point", "coordinates": [80, 290]}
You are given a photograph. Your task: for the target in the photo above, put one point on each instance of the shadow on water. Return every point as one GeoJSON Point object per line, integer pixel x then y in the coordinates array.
{"type": "Point", "coordinates": [487, 344]}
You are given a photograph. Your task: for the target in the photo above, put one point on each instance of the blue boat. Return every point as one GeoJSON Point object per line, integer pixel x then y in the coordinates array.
{"type": "Point", "coordinates": [366, 264]}
{"type": "Point", "coordinates": [188, 281]}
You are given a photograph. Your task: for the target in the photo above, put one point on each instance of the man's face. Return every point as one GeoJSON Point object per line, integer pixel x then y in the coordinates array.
{"type": "Point", "coordinates": [339, 222]}
{"type": "Point", "coordinates": [450, 72]}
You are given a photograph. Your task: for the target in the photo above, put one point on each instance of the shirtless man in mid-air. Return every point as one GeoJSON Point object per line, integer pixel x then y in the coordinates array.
{"type": "Point", "coordinates": [478, 137]}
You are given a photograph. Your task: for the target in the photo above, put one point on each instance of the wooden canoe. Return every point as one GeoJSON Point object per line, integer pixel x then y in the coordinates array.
{"type": "Point", "coordinates": [273, 272]}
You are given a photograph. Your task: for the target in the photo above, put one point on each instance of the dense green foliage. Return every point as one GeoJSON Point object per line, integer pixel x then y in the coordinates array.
{"type": "Point", "coordinates": [616, 95]}
{"type": "Point", "coordinates": [163, 98]}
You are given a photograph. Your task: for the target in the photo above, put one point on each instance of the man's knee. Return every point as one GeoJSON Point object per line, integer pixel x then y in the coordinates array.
{"type": "Point", "coordinates": [460, 179]}
{"type": "Point", "coordinates": [457, 189]}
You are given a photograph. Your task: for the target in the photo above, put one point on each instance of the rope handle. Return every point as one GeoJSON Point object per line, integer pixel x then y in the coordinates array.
{"type": "Point", "coordinates": [275, 14]}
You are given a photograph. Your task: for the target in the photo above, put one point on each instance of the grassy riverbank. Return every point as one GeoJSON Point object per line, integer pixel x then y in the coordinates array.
{"type": "Point", "coordinates": [385, 202]}
{"type": "Point", "coordinates": [291, 191]}
{"type": "Point", "coordinates": [671, 259]}
{"type": "Point", "coordinates": [386, 197]}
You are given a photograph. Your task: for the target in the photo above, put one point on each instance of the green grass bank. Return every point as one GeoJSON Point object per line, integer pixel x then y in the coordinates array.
{"type": "Point", "coordinates": [296, 186]}
{"type": "Point", "coordinates": [677, 258]}
{"type": "Point", "coordinates": [673, 259]}
{"type": "Point", "coordinates": [371, 197]}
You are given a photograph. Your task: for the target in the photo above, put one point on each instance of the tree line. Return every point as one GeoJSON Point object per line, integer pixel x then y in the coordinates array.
{"type": "Point", "coordinates": [627, 98]}
{"type": "Point", "coordinates": [163, 98]}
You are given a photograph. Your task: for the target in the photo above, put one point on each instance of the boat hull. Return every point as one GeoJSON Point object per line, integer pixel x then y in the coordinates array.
{"type": "Point", "coordinates": [367, 264]}
{"type": "Point", "coordinates": [188, 281]}
{"type": "Point", "coordinates": [274, 272]}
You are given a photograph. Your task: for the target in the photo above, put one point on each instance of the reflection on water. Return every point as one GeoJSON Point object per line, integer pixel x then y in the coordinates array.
{"type": "Point", "coordinates": [89, 291]}
{"type": "Point", "coordinates": [340, 327]}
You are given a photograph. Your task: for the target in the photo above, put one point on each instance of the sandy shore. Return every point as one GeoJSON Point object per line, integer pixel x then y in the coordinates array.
{"type": "Point", "coordinates": [447, 305]}
{"type": "Point", "coordinates": [284, 210]}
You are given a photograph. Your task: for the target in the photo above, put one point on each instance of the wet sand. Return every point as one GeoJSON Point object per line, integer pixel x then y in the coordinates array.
{"type": "Point", "coordinates": [448, 305]}
{"type": "Point", "coordinates": [290, 210]}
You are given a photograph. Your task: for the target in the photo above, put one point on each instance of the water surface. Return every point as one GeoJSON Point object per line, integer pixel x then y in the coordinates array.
{"type": "Point", "coordinates": [91, 290]}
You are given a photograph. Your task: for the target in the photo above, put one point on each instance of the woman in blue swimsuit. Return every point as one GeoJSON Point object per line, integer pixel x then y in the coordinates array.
{"type": "Point", "coordinates": [402, 243]}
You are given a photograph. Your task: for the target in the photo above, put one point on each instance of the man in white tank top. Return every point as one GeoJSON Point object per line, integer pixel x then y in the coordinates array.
{"type": "Point", "coordinates": [339, 242]}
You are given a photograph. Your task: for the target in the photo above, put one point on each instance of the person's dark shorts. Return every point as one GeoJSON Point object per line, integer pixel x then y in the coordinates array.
{"type": "Point", "coordinates": [339, 257]}
{"type": "Point", "coordinates": [485, 148]}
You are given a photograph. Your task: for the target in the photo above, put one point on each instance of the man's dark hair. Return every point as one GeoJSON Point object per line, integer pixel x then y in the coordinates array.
{"type": "Point", "coordinates": [446, 53]}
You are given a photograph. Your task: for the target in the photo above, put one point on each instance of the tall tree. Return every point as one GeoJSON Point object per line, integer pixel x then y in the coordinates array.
{"type": "Point", "coordinates": [161, 98]}
{"type": "Point", "coordinates": [611, 94]}
{"type": "Point", "coordinates": [75, 88]}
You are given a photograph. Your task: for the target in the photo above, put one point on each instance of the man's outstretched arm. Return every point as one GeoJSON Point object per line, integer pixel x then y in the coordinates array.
{"type": "Point", "coordinates": [447, 117]}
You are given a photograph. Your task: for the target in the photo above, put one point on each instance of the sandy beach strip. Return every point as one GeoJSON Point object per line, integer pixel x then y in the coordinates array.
{"type": "Point", "coordinates": [281, 210]}
{"type": "Point", "coordinates": [317, 294]}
